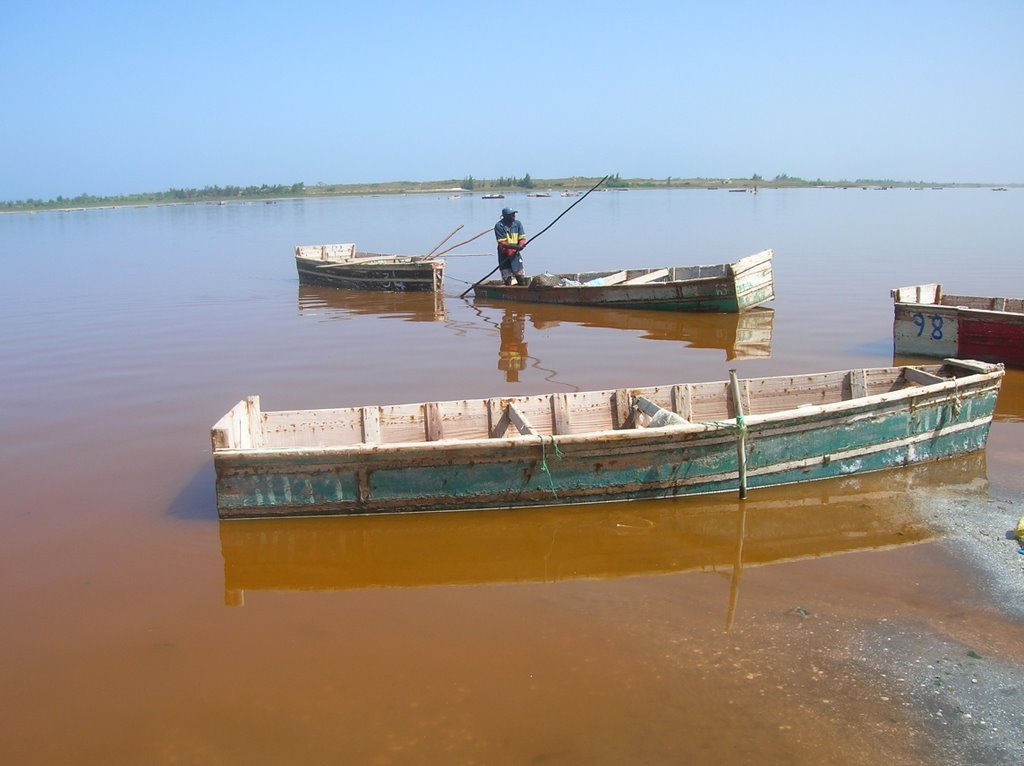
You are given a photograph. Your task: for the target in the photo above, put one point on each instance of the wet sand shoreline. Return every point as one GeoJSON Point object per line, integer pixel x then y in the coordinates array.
{"type": "Point", "coordinates": [966, 682]}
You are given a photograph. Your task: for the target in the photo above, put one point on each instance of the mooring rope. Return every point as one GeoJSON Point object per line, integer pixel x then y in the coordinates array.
{"type": "Point", "coordinates": [739, 425]}
{"type": "Point", "coordinates": [957, 401]}
{"type": "Point", "coordinates": [544, 461]}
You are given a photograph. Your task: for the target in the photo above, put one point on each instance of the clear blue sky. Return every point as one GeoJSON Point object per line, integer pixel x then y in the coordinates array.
{"type": "Point", "coordinates": [123, 97]}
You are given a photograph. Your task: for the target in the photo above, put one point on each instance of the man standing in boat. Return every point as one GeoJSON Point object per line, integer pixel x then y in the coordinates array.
{"type": "Point", "coordinates": [511, 240]}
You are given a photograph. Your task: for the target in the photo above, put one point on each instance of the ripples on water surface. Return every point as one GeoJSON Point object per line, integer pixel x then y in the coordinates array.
{"type": "Point", "coordinates": [139, 629]}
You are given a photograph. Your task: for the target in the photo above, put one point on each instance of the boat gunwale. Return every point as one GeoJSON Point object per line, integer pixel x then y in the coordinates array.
{"type": "Point", "coordinates": [729, 274]}
{"type": "Point", "coordinates": [960, 309]}
{"type": "Point", "coordinates": [622, 285]}
{"type": "Point", "coordinates": [977, 382]}
{"type": "Point", "coordinates": [396, 260]}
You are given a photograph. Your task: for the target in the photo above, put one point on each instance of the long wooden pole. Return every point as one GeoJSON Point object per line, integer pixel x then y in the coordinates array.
{"type": "Point", "coordinates": [741, 437]}
{"type": "Point", "coordinates": [424, 257]}
{"type": "Point", "coordinates": [463, 242]}
{"type": "Point", "coordinates": [531, 239]}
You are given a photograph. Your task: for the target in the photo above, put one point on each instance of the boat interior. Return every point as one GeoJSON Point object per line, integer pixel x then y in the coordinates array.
{"type": "Point", "coordinates": [346, 253]}
{"type": "Point", "coordinates": [246, 426]}
{"type": "Point", "coordinates": [758, 265]}
{"type": "Point", "coordinates": [645, 276]}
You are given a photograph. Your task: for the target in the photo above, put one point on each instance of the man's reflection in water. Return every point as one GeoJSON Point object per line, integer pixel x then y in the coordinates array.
{"type": "Point", "coordinates": [512, 354]}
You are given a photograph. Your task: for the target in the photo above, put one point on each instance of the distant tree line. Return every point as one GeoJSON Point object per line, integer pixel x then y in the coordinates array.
{"type": "Point", "coordinates": [523, 183]}
{"type": "Point", "coordinates": [469, 183]}
{"type": "Point", "coordinates": [210, 193]}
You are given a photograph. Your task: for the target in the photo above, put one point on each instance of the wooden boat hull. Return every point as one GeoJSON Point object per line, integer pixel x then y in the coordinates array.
{"type": "Point", "coordinates": [367, 271]}
{"type": "Point", "coordinates": [458, 455]}
{"type": "Point", "coordinates": [928, 323]}
{"type": "Point", "coordinates": [720, 288]}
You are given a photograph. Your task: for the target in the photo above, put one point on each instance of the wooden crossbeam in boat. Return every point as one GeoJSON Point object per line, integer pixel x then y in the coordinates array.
{"type": "Point", "coordinates": [914, 375]}
{"type": "Point", "coordinates": [519, 420]}
{"type": "Point", "coordinates": [612, 279]}
{"type": "Point", "coordinates": [370, 417]}
{"type": "Point", "coordinates": [561, 413]}
{"type": "Point", "coordinates": [858, 384]}
{"type": "Point", "coordinates": [652, 276]}
{"type": "Point", "coordinates": [682, 401]}
{"type": "Point", "coordinates": [432, 418]}
{"type": "Point", "coordinates": [622, 409]}
{"type": "Point", "coordinates": [497, 419]}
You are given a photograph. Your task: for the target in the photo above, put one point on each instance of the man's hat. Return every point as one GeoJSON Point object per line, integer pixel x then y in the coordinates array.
{"type": "Point", "coordinates": [507, 211]}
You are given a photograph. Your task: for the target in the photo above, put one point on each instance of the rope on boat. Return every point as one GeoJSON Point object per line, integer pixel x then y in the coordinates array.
{"type": "Point", "coordinates": [739, 427]}
{"type": "Point", "coordinates": [544, 461]}
{"type": "Point", "coordinates": [957, 401]}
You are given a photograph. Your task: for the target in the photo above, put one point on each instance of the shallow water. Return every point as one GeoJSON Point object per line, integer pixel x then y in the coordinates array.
{"type": "Point", "coordinates": [138, 628]}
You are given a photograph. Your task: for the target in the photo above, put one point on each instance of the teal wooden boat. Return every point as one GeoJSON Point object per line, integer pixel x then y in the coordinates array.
{"type": "Point", "coordinates": [724, 287]}
{"type": "Point", "coordinates": [598, 446]}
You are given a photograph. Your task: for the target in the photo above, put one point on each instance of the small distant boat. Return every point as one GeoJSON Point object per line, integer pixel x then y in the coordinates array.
{"type": "Point", "coordinates": [570, 194]}
{"type": "Point", "coordinates": [492, 196]}
{"type": "Point", "coordinates": [538, 194]}
{"type": "Point", "coordinates": [454, 196]}
{"type": "Point", "coordinates": [928, 322]}
{"type": "Point", "coordinates": [342, 266]}
{"type": "Point", "coordinates": [726, 287]}
{"type": "Point", "coordinates": [569, 448]}
{"type": "Point", "coordinates": [999, 188]}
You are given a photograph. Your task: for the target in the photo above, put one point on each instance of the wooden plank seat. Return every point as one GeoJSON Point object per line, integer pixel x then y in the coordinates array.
{"type": "Point", "coordinates": [612, 279]}
{"type": "Point", "coordinates": [920, 377]}
{"type": "Point", "coordinates": [652, 276]}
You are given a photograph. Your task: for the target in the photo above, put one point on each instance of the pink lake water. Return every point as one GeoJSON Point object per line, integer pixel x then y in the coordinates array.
{"type": "Point", "coordinates": [140, 629]}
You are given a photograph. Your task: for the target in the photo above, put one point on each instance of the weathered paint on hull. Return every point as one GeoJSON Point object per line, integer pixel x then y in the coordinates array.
{"type": "Point", "coordinates": [563, 470]}
{"type": "Point", "coordinates": [946, 331]}
{"type": "Point", "coordinates": [993, 341]}
{"type": "Point", "coordinates": [426, 276]}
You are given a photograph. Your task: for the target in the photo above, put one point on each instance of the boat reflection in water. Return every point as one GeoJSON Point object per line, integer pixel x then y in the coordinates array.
{"type": "Point", "coordinates": [513, 351]}
{"type": "Point", "coordinates": [545, 545]}
{"type": "Point", "coordinates": [1010, 404]}
{"type": "Point", "coordinates": [335, 303]}
{"type": "Point", "coordinates": [746, 335]}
